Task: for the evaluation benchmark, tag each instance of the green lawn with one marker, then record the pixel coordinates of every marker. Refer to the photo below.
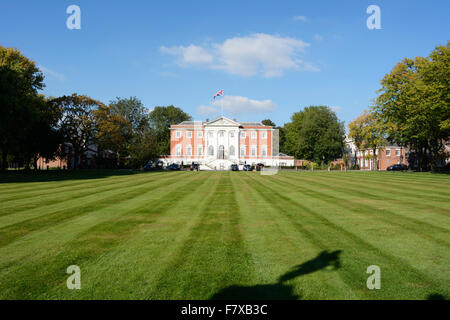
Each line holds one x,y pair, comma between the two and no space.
214,235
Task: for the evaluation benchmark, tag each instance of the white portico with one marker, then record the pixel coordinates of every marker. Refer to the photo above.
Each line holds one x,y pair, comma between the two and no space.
222,139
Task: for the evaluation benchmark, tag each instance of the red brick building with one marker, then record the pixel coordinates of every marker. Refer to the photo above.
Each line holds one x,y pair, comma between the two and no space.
385,157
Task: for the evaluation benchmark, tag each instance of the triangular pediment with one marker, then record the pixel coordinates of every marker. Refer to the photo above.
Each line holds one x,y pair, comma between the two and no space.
222,121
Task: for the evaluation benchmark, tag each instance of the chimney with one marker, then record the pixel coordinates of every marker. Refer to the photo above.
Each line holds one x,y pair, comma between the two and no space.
207,120
234,119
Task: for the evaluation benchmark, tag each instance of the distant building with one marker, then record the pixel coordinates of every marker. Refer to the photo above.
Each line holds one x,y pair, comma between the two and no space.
385,157
66,160
218,144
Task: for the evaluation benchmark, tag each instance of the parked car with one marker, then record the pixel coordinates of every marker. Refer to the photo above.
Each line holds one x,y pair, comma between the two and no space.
259,166
154,166
194,166
234,167
397,167
248,167
173,167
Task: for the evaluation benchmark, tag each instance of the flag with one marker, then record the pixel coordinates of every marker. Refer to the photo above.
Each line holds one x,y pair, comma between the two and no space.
218,94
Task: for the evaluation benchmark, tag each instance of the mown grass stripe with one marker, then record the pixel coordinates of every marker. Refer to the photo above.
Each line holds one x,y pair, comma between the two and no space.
72,201
91,244
277,248
397,180
436,194
325,232
12,232
418,252
41,198
59,181
129,269
54,189
388,216
214,255
230,235
383,192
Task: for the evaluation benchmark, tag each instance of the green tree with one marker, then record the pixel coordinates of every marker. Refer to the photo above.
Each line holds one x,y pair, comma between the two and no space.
113,132
367,133
132,110
40,136
356,133
77,125
144,149
315,134
161,118
414,105
268,122
20,79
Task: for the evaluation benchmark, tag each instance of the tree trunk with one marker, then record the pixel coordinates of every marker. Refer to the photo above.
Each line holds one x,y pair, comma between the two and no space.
4,158
27,162
35,160
374,159
75,160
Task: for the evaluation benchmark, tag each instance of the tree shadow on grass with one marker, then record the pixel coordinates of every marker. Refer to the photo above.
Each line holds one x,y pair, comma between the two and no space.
436,296
281,290
61,175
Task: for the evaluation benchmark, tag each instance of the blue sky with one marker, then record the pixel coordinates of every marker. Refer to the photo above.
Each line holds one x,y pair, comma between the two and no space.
272,58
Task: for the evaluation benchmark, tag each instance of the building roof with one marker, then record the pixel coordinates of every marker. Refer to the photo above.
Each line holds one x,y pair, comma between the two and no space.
191,122
252,124
222,121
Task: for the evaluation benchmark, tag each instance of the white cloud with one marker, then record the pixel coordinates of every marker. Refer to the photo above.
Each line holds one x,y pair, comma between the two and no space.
238,105
318,37
300,18
336,108
306,66
206,110
189,55
257,53
52,73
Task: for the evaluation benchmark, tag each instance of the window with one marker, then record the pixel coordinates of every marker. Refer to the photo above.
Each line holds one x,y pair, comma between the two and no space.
231,134
253,135
243,151
264,135
210,134
200,150
189,150
221,133
243,135
264,151
189,134
178,134
388,152
178,150
211,150
397,152
231,151
200,134
253,151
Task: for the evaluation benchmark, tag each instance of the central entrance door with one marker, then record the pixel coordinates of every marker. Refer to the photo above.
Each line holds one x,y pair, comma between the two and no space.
221,153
